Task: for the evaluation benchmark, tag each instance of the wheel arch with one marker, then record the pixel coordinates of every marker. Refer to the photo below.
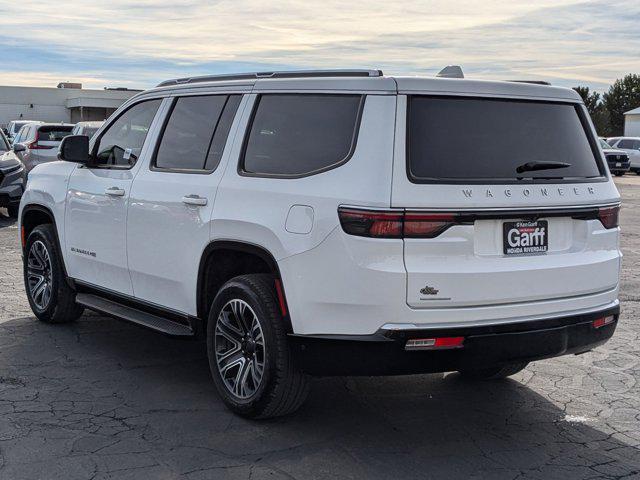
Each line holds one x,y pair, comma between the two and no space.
33,215
244,252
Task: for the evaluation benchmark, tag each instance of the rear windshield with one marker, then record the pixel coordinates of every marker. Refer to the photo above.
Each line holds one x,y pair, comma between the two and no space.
53,134
455,139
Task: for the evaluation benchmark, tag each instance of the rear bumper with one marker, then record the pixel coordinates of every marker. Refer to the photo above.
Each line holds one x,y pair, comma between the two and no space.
383,353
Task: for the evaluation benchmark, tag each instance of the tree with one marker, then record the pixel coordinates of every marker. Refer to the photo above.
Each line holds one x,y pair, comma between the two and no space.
599,114
623,95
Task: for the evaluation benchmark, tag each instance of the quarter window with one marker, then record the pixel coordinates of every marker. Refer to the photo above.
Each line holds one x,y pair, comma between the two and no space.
196,132
122,141
294,135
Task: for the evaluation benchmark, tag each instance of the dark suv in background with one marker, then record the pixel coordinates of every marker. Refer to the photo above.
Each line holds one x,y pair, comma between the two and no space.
12,178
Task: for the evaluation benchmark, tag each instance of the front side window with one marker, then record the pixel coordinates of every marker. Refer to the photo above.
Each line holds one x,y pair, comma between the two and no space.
453,139
294,135
121,143
189,138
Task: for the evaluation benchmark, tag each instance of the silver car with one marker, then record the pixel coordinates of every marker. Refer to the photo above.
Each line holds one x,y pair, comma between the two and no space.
12,178
86,128
14,126
38,143
631,146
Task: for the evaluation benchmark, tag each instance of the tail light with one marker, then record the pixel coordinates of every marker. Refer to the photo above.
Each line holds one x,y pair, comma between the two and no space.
609,216
390,224
36,146
371,223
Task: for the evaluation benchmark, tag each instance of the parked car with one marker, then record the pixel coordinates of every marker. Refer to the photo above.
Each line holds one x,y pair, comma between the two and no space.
38,143
631,146
617,160
334,223
14,127
12,178
86,128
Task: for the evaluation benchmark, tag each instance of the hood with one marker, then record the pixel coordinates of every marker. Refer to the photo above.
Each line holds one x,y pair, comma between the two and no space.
8,160
613,151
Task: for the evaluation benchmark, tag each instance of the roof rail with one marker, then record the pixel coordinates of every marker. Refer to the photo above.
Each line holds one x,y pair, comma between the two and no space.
280,74
535,82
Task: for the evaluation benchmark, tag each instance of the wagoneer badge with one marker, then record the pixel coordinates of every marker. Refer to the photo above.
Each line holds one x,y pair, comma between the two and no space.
429,290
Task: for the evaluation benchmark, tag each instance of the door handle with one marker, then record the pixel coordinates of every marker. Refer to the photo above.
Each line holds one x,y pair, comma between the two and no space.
114,192
194,200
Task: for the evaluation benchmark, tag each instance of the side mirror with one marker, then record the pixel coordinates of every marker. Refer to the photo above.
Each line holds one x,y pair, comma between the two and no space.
19,147
74,148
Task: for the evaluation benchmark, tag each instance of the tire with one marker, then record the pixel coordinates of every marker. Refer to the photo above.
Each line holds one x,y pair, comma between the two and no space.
619,174
42,259
493,373
237,352
12,210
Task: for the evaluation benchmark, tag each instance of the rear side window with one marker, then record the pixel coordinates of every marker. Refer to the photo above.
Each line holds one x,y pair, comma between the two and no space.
196,132
53,134
296,135
629,144
454,139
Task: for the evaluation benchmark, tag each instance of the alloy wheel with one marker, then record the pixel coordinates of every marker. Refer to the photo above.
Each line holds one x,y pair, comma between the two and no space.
39,275
239,348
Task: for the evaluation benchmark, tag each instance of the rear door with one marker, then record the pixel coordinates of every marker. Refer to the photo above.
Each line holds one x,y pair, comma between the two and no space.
173,197
493,222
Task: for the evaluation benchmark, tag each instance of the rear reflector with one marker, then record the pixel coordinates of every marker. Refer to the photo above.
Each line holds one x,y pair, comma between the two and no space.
441,343
609,216
601,322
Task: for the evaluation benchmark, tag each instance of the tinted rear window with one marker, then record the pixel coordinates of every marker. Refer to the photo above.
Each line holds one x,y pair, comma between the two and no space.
294,134
53,134
455,139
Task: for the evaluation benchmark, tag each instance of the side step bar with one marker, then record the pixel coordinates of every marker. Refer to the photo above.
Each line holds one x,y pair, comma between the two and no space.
133,315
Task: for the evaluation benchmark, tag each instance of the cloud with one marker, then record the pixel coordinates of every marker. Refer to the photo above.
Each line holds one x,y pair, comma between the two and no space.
138,43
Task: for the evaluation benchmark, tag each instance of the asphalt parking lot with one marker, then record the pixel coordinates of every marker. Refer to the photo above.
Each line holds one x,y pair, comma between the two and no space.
100,399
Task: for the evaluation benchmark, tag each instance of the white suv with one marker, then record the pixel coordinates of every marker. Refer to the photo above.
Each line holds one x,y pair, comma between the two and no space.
334,223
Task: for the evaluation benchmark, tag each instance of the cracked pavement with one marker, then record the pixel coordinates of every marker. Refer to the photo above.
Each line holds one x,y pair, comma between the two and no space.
101,399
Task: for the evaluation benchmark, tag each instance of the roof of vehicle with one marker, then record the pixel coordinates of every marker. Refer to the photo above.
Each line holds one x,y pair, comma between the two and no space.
90,124
635,111
373,81
43,124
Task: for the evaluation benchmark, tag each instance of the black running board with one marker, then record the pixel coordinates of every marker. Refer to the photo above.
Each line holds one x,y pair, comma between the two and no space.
133,315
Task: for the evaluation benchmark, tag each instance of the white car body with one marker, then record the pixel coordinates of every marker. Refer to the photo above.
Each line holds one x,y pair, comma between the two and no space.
631,146
130,232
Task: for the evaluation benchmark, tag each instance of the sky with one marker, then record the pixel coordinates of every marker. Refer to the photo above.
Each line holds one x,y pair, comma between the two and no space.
137,44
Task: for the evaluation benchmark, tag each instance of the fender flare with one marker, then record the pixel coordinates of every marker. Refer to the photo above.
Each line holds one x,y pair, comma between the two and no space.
240,246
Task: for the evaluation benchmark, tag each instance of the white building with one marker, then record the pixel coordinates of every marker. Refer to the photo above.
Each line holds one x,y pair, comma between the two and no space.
632,123
69,102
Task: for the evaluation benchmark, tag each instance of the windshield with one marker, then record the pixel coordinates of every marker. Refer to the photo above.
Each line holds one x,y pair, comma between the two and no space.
4,146
453,139
604,145
53,134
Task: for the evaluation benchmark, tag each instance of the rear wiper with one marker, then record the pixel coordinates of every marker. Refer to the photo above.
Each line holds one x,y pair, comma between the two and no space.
533,166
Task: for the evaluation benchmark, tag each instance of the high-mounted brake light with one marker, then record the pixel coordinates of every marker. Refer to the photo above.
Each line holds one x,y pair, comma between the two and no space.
438,343
609,216
390,224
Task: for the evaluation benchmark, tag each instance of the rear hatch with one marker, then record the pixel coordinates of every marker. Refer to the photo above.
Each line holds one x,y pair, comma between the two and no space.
49,138
506,201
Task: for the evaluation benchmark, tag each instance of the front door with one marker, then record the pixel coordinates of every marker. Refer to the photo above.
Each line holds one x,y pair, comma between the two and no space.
97,200
172,200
